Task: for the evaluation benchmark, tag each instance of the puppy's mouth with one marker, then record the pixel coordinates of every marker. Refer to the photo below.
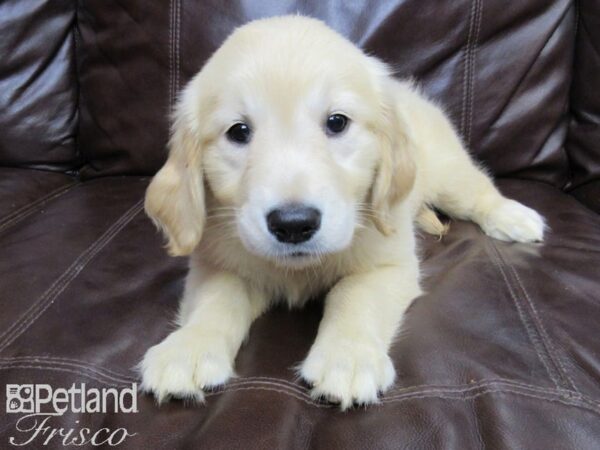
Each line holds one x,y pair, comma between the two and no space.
297,259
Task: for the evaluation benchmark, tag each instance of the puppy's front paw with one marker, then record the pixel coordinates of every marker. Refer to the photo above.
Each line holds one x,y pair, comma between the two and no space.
346,372
512,221
184,364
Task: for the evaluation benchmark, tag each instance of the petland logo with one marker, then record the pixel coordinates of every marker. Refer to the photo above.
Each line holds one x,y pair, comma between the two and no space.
41,402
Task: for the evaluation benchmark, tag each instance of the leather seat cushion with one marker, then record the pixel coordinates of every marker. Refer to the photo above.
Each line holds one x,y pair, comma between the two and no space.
23,192
502,342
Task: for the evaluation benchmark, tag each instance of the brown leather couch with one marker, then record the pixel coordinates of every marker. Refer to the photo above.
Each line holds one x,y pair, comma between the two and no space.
502,352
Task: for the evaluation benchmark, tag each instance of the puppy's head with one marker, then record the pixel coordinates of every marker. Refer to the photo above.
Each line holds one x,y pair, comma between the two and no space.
294,135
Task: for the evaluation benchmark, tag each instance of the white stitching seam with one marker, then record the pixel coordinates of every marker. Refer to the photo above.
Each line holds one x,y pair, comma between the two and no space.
466,67
77,362
400,392
474,48
177,51
100,379
429,394
60,284
31,208
456,393
123,377
171,90
556,398
543,333
533,336
553,356
100,371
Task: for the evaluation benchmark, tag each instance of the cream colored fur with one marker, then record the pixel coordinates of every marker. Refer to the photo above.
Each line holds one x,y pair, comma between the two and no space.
398,159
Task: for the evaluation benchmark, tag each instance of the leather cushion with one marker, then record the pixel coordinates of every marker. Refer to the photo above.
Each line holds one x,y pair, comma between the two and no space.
501,344
24,192
38,100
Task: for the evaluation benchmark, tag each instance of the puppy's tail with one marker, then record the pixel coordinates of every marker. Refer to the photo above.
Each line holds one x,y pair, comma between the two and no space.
428,221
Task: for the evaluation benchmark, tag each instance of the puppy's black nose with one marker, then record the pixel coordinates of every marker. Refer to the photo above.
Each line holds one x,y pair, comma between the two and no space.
294,224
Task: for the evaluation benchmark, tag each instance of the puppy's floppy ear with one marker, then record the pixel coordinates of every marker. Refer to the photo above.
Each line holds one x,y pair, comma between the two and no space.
396,172
175,198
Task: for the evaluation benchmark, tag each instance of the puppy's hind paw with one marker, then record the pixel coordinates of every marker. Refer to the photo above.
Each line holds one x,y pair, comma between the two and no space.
513,222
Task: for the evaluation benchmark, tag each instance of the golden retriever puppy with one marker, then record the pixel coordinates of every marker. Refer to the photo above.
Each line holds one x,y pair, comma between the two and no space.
299,166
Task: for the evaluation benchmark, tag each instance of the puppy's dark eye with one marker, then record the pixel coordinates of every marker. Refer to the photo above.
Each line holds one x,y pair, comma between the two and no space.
336,123
239,133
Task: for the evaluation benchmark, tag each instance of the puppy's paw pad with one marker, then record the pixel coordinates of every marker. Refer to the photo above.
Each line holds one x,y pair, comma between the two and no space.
512,221
184,364
348,374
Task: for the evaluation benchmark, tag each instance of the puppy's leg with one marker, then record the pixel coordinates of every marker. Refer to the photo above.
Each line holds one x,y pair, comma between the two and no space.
466,192
349,360
216,313
451,181
448,179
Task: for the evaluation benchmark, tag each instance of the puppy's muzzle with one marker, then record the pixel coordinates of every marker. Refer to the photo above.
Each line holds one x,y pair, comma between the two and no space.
294,223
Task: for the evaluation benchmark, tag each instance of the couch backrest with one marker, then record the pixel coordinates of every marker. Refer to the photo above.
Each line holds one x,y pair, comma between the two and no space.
583,143
38,85
94,80
501,69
